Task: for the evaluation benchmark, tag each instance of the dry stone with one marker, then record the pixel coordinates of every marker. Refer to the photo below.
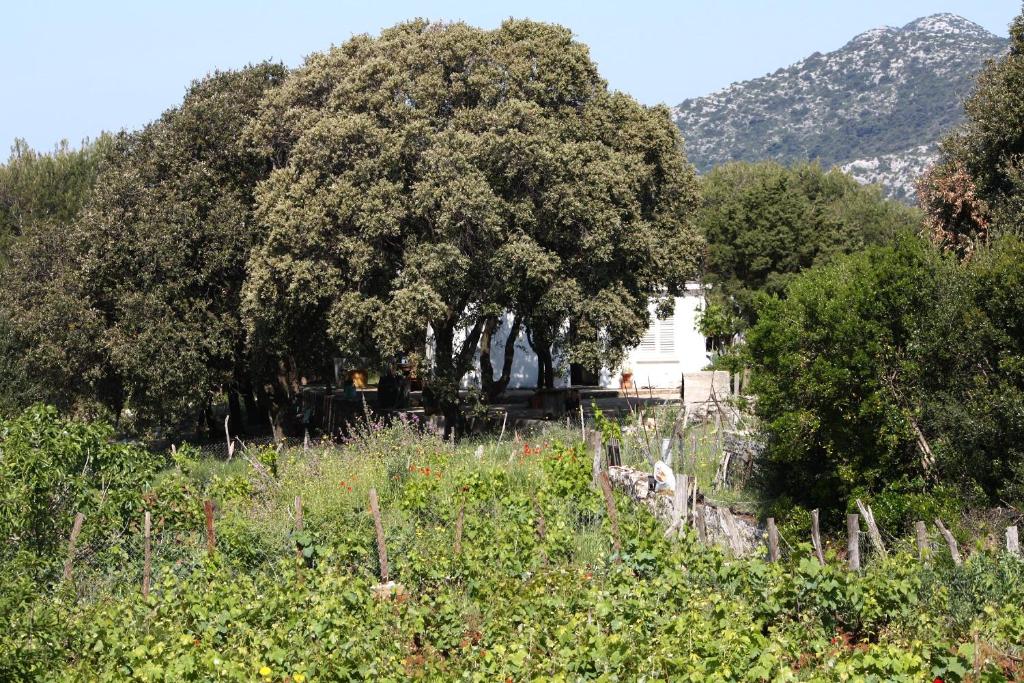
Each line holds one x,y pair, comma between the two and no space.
636,484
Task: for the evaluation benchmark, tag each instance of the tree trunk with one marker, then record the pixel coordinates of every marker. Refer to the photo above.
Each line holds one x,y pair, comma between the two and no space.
212,428
263,408
545,366
249,401
251,405
236,425
450,366
509,357
284,390
443,390
547,381
493,388
486,371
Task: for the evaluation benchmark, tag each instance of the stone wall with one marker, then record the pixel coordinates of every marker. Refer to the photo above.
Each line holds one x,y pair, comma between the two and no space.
743,450
749,534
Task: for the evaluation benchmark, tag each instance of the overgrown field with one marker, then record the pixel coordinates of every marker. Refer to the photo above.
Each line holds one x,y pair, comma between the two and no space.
534,592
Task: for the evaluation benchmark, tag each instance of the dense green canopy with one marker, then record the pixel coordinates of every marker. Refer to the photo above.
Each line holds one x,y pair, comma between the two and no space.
895,366
40,197
765,222
441,173
424,180
140,306
37,189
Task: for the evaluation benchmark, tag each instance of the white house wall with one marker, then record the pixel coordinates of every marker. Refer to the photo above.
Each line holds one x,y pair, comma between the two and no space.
682,350
678,348
524,363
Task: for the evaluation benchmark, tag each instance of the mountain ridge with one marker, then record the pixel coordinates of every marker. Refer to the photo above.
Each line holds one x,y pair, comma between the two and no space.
875,107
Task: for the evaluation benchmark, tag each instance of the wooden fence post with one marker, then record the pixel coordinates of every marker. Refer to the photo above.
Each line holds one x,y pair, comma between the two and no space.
458,528
542,529
873,533
147,555
211,538
702,527
76,528
299,525
922,540
954,550
729,524
382,551
816,537
853,541
679,499
594,443
613,515
1012,541
773,541
693,505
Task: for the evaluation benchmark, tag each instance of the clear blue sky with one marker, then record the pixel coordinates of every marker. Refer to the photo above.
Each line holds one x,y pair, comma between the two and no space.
77,68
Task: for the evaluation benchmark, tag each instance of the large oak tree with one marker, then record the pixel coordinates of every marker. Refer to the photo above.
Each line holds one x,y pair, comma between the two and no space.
438,174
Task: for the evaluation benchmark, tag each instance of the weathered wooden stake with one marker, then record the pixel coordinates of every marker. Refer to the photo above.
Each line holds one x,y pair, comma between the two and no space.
730,530
853,541
922,540
693,507
76,528
773,541
683,497
459,518
873,534
954,550
594,442
1012,541
227,437
147,556
613,515
298,526
382,551
542,527
211,539
702,528
816,537
679,499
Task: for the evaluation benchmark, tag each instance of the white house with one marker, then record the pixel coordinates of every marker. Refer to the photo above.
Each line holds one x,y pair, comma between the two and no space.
671,347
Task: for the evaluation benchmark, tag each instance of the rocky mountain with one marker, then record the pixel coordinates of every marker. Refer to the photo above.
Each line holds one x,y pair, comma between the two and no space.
874,107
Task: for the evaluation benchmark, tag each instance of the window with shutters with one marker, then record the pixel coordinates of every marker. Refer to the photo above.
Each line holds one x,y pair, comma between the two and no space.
660,338
666,335
648,343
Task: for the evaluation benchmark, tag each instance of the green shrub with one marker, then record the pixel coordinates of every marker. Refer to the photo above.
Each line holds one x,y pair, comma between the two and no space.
521,601
868,358
55,467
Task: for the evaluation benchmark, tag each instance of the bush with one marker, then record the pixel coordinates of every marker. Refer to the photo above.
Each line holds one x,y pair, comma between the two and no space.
869,358
54,467
824,362
520,601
